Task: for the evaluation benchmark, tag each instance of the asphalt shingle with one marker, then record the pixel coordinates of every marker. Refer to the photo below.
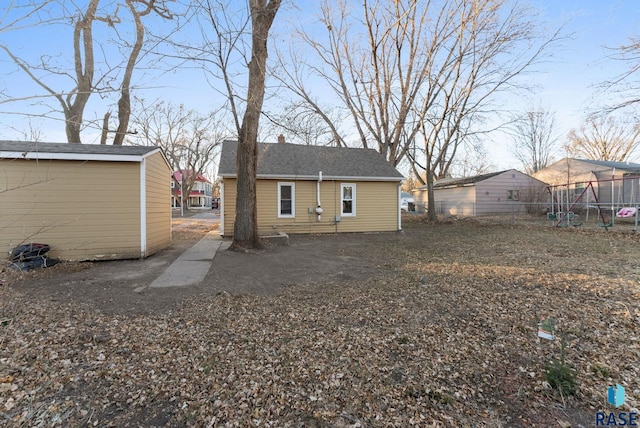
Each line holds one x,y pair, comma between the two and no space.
304,162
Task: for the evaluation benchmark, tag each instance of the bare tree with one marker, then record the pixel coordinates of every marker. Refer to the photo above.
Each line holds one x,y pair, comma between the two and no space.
473,160
626,85
304,126
376,63
534,139
420,79
33,133
605,138
245,233
85,82
227,55
189,140
124,103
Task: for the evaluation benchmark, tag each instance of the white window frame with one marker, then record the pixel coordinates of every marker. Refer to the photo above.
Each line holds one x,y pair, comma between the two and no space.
293,200
513,195
353,199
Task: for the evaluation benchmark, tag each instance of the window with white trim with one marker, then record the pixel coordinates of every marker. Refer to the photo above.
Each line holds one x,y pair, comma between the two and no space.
348,195
513,195
286,200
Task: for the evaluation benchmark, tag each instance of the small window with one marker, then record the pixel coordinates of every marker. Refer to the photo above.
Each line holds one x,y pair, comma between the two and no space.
513,195
348,192
286,200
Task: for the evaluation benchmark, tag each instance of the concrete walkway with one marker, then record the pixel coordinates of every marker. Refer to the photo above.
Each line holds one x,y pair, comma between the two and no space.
191,267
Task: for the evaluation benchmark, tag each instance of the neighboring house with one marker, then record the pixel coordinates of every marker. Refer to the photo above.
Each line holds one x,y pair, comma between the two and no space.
313,189
503,192
406,202
86,201
613,182
200,196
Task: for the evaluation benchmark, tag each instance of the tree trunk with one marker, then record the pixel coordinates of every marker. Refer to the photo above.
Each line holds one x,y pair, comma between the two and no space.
245,233
124,103
432,215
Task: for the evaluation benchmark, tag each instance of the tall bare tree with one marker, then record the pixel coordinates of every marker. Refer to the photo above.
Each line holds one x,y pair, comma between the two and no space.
605,138
124,103
85,77
420,79
245,233
227,56
534,139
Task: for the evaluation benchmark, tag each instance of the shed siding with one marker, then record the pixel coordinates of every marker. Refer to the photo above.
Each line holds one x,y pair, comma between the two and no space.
374,211
158,197
84,210
457,201
486,197
492,194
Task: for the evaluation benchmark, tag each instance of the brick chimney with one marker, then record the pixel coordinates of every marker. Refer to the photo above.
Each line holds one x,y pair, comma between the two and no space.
280,139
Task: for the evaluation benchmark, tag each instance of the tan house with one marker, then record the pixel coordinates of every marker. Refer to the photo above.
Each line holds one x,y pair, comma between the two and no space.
314,189
503,192
88,202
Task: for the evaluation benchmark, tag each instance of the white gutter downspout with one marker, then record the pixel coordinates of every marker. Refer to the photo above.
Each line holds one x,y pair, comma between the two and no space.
221,207
399,209
319,207
143,209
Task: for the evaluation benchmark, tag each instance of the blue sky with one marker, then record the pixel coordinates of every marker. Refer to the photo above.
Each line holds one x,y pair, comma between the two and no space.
566,82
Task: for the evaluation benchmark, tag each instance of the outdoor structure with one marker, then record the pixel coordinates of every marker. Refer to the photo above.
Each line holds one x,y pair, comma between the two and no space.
88,202
611,180
200,195
504,192
314,189
607,190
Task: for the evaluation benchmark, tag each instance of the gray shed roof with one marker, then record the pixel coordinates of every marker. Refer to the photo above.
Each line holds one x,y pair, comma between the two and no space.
294,161
65,151
611,164
465,180
447,182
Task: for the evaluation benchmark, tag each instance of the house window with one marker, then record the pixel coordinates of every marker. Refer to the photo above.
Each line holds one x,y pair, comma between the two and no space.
513,195
286,200
348,192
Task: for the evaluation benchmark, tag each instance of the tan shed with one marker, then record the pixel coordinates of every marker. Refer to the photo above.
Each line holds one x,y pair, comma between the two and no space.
315,189
88,202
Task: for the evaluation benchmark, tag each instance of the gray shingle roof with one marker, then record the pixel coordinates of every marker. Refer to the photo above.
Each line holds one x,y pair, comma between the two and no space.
296,161
73,149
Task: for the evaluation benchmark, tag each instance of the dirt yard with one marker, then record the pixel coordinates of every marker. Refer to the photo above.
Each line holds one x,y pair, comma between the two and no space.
433,326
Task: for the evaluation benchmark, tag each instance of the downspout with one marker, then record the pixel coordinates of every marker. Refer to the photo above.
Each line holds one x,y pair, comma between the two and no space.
399,209
319,206
143,208
221,207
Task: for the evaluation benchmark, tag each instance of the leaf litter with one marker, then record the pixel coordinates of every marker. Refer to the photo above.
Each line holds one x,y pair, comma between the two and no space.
447,336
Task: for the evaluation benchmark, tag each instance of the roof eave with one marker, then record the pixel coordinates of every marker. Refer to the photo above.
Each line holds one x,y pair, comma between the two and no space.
315,177
76,156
